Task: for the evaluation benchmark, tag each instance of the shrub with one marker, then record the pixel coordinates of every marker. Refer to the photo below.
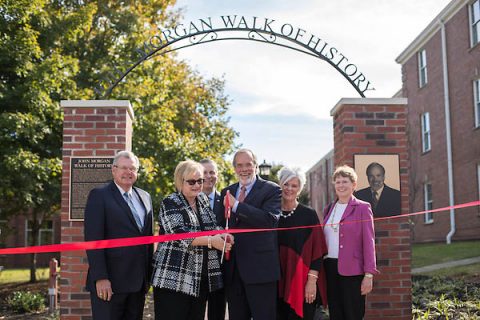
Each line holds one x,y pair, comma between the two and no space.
443,298
26,301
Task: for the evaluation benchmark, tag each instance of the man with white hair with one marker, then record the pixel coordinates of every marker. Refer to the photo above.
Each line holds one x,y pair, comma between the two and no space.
118,278
252,272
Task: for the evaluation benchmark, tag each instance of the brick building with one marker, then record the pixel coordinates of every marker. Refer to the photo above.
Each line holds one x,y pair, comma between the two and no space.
318,183
16,232
441,79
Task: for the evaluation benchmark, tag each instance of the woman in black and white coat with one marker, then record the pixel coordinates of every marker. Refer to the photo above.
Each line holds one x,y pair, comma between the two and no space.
186,270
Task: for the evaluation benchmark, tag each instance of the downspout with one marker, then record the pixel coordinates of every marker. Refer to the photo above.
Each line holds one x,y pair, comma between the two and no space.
446,98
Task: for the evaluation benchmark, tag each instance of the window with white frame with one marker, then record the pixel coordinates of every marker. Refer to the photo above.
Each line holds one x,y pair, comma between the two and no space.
475,22
425,119
422,68
476,101
427,195
45,234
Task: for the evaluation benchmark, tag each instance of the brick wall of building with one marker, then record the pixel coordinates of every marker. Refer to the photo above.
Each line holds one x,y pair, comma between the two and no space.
463,65
16,237
97,128
377,126
319,186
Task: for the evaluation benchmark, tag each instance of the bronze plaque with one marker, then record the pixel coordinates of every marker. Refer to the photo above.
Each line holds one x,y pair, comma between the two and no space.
86,174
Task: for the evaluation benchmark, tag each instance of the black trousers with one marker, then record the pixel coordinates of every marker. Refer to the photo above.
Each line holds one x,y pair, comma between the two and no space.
172,305
285,312
246,301
216,305
122,306
345,301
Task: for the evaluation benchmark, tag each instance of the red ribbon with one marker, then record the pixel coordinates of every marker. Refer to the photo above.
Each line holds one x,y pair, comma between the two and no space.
136,241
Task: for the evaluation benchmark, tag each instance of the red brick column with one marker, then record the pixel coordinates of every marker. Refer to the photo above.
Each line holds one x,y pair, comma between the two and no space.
92,128
378,126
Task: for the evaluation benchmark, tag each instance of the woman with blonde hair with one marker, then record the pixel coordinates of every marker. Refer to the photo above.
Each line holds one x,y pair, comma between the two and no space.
186,270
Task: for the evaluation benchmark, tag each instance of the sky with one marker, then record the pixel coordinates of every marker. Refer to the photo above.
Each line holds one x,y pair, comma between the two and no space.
281,99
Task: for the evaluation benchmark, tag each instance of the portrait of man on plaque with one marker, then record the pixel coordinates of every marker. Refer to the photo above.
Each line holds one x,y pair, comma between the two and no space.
379,182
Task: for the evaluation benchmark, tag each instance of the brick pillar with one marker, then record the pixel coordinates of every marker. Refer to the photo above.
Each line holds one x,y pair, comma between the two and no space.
91,128
378,126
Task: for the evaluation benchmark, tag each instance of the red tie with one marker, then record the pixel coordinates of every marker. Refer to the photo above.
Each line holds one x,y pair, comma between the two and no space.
243,193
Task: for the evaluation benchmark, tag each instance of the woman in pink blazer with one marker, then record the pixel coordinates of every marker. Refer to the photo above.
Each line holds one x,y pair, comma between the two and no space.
350,263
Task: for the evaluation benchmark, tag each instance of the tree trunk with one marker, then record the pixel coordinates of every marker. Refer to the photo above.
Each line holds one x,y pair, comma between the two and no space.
34,241
33,267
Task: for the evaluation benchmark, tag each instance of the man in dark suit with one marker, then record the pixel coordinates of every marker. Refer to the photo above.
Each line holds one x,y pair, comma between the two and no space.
216,299
385,201
253,268
118,278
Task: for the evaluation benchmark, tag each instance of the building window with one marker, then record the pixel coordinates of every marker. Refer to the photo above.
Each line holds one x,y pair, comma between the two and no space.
427,194
422,68
475,22
476,102
425,119
45,234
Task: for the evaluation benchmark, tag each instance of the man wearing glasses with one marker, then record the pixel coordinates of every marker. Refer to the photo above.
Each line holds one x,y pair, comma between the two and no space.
118,277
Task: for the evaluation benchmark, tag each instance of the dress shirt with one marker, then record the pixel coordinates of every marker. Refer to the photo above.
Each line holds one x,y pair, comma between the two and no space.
136,202
211,198
379,192
332,237
248,187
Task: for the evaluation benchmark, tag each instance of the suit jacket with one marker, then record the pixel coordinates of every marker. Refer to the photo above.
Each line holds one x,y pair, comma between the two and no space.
108,216
217,209
255,255
356,252
389,203
178,265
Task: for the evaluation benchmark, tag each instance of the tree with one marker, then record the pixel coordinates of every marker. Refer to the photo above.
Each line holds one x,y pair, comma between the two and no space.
58,49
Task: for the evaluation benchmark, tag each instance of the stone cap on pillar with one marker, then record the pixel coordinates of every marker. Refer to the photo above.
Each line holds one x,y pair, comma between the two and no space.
99,104
367,101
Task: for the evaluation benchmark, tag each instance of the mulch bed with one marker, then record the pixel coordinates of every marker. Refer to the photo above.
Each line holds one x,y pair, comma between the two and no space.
42,287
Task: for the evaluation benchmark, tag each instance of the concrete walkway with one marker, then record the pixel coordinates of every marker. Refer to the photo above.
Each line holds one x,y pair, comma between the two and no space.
449,264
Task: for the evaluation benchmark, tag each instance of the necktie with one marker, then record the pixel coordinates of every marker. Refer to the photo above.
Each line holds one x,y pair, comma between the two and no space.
374,199
243,194
211,199
136,216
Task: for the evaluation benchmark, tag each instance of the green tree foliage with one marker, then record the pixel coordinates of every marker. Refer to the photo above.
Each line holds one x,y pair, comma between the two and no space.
59,49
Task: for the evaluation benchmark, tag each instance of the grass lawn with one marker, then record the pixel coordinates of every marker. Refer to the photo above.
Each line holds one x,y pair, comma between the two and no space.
432,253
471,271
21,275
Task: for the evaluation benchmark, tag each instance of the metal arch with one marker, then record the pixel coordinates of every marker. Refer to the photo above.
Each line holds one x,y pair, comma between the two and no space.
207,36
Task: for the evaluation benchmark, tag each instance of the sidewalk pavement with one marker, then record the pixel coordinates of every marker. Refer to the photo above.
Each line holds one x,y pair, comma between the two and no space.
449,264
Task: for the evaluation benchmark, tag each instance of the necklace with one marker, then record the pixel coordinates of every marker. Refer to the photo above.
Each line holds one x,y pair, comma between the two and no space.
334,225
287,213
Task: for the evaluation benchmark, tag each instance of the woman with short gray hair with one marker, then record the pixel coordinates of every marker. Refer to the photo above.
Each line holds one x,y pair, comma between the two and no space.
301,252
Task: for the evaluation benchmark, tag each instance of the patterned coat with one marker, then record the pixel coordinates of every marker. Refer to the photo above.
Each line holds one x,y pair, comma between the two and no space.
177,264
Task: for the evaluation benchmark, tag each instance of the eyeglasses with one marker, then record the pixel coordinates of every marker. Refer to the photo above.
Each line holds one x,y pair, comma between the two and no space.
192,182
133,169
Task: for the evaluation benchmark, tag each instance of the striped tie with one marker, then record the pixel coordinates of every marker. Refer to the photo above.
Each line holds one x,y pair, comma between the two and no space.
136,216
